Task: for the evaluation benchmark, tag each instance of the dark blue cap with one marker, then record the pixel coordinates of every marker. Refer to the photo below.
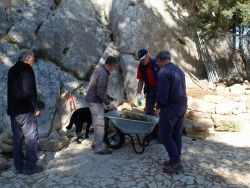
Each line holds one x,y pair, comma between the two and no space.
141,54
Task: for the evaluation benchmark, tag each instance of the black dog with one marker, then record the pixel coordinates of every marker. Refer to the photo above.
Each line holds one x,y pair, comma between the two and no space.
79,117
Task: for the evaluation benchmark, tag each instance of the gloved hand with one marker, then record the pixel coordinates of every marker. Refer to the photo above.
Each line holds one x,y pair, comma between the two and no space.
139,99
111,106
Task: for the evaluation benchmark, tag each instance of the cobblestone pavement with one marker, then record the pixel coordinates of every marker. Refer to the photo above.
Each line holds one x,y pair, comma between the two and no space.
223,160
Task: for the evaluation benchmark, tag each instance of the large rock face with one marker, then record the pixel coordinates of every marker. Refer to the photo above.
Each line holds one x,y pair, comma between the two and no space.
48,86
129,70
152,25
73,37
8,54
21,20
70,37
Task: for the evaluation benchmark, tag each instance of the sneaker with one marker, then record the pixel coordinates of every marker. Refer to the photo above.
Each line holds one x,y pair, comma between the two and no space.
174,167
34,170
104,152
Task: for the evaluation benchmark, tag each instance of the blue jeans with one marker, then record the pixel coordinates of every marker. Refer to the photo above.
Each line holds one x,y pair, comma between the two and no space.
24,127
170,125
150,101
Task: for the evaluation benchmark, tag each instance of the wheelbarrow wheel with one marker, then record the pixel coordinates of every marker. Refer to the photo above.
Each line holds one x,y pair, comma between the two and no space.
114,139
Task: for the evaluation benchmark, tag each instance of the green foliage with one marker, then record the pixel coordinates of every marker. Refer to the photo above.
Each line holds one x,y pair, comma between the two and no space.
81,91
222,15
57,2
65,50
182,41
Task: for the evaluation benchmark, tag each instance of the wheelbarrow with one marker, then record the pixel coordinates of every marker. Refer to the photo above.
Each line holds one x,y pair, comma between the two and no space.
119,127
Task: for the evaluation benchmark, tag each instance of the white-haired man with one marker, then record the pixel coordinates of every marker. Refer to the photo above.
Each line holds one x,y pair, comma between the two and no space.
23,111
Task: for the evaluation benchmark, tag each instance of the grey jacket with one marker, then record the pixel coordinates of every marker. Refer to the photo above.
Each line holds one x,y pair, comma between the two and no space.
98,85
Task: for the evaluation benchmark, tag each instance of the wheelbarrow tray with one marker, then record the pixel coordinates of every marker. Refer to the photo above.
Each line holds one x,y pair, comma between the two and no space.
130,126
124,126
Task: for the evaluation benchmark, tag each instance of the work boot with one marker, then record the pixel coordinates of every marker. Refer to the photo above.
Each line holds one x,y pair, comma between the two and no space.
36,169
173,167
18,171
104,151
167,163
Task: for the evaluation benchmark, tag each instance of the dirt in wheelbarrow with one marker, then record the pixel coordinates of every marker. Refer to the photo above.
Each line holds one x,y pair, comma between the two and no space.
134,116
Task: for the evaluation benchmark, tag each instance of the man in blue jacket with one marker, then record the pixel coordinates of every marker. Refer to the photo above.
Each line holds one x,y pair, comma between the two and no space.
23,111
147,75
172,102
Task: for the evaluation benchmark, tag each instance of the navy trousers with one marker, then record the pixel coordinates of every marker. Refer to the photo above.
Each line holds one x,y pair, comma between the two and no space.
150,101
24,128
170,125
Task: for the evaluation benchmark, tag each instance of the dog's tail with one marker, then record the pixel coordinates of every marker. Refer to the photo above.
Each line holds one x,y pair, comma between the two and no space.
69,125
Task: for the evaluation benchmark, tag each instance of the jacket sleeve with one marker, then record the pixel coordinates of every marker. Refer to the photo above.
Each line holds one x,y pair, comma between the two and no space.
102,84
162,90
29,88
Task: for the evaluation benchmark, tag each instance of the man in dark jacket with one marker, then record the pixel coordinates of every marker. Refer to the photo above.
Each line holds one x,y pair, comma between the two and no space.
172,102
147,75
23,110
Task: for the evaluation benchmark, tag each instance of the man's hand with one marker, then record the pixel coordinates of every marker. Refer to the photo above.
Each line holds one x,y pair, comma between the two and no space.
111,106
37,113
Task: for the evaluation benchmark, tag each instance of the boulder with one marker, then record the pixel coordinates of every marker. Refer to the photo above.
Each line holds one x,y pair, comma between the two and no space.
194,115
103,7
155,25
224,108
201,105
6,148
8,54
237,89
3,164
115,87
129,71
25,20
72,37
203,124
6,138
191,132
187,123
5,18
57,144
222,90
214,98
63,111
231,123
6,141
48,86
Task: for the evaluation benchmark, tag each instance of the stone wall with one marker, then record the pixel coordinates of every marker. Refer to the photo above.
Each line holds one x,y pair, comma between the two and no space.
226,109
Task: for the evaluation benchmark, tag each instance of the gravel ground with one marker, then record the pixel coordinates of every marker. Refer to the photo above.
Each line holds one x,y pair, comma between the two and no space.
222,160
